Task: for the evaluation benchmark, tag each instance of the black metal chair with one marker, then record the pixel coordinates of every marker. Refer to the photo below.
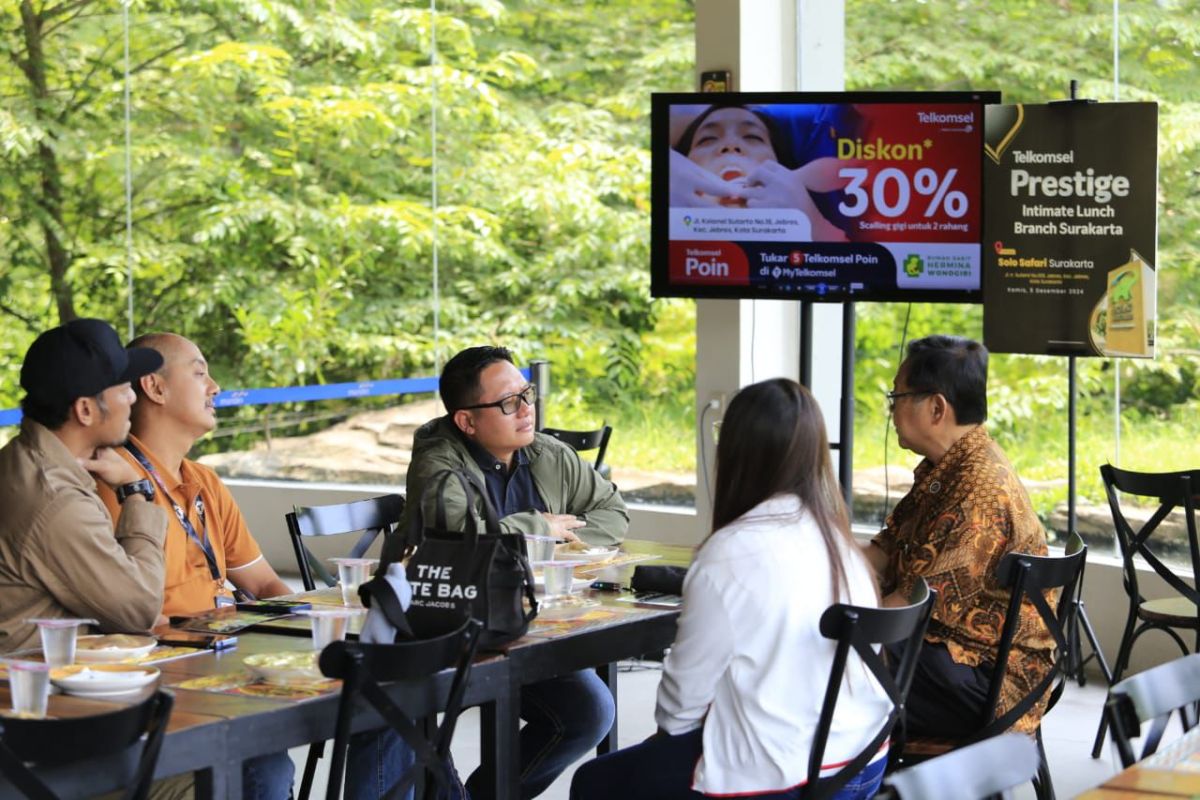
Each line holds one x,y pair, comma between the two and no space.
583,441
29,745
864,629
372,516
1082,626
981,771
1028,578
1149,545
1152,696
363,667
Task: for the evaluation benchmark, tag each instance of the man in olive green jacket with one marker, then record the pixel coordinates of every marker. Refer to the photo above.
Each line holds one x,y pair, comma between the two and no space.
539,485
579,502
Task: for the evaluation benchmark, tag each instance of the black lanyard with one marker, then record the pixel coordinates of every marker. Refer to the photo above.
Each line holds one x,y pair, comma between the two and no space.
201,539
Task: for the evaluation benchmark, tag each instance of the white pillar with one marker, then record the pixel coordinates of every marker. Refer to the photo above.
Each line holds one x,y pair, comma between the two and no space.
767,45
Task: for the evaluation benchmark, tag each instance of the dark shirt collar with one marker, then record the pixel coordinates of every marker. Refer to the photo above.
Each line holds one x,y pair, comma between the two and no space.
486,461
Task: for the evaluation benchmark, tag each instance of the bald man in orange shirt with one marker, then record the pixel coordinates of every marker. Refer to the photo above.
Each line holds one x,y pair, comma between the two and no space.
208,542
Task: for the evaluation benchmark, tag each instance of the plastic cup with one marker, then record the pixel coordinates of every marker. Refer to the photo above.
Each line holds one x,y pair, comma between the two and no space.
559,577
58,639
330,624
29,684
541,548
351,573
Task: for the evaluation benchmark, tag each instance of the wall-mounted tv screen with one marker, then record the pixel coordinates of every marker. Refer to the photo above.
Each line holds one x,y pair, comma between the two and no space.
847,196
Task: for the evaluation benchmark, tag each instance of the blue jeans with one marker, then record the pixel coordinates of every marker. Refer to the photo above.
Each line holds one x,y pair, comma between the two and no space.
565,718
268,777
376,760
661,769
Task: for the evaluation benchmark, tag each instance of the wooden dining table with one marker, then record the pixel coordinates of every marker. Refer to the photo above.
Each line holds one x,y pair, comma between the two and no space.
219,720
1174,771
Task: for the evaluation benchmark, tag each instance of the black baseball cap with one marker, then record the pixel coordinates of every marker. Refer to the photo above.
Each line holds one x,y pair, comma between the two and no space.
81,359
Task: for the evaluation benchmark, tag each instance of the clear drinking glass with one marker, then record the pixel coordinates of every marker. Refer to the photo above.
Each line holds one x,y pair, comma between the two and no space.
541,548
559,578
29,684
351,573
330,624
58,639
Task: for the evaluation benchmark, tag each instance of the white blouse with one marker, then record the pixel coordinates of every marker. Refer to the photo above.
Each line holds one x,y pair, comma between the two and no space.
749,662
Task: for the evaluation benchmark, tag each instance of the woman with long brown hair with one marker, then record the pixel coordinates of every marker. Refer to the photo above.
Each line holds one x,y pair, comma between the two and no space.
743,684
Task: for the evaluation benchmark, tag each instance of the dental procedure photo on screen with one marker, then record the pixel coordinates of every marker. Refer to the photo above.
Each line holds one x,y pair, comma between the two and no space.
830,197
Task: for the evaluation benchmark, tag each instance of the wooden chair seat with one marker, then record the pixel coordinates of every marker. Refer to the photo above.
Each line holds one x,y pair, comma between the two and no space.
1178,612
929,747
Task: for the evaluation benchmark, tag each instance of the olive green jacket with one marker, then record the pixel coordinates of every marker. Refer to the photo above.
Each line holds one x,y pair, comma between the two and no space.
566,484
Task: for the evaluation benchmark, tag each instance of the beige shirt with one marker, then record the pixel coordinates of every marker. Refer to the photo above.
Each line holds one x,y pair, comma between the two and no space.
59,554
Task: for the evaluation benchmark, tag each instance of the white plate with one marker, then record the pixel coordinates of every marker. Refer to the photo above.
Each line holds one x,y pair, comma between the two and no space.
298,667
577,584
125,647
97,679
590,555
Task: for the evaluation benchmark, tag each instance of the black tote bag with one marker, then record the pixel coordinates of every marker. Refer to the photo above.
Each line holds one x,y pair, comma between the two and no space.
481,574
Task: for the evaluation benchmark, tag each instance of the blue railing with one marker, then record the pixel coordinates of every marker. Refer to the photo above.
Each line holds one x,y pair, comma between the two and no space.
302,394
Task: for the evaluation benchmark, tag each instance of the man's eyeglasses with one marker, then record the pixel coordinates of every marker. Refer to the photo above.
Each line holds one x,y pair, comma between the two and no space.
509,403
892,397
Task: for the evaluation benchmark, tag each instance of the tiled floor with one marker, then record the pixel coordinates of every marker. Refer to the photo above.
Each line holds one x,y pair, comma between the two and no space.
1068,731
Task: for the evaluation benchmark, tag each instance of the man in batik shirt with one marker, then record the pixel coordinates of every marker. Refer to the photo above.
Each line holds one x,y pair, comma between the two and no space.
966,510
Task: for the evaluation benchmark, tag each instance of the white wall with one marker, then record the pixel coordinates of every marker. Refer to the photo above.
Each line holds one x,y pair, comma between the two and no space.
767,45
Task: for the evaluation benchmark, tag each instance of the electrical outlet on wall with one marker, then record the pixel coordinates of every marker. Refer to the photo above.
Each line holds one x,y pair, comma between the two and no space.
716,401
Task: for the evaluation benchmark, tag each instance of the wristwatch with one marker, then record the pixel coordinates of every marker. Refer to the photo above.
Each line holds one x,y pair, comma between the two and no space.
143,487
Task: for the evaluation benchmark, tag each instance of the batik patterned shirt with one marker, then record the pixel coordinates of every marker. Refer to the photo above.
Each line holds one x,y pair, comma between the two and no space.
963,514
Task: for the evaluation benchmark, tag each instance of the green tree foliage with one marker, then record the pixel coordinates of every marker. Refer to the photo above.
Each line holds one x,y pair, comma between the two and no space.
282,173
1031,50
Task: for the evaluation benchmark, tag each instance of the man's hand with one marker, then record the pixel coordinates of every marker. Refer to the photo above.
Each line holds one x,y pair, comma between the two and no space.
561,525
109,467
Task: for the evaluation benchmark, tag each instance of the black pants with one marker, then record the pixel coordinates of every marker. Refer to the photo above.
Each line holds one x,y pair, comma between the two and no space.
946,700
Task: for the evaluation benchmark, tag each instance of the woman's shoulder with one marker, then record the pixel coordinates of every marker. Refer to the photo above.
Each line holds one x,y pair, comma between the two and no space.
777,522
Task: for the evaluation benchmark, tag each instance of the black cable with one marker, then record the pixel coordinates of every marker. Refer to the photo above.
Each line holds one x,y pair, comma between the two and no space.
887,423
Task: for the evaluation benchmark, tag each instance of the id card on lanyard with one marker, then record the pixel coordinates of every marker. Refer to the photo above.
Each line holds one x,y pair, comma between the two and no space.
199,538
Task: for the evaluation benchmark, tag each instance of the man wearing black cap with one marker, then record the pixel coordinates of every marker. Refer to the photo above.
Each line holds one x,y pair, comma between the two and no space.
59,554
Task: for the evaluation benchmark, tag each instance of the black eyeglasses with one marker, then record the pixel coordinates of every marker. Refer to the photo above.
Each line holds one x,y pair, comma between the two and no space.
892,397
509,403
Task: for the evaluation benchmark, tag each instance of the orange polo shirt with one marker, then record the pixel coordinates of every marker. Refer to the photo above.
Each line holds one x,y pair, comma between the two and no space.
190,587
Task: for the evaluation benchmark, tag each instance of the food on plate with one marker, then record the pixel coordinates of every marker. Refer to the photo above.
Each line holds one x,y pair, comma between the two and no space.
583,548
298,667
112,641
299,659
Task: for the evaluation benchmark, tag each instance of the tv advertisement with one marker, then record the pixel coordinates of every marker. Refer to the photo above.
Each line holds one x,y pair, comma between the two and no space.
1071,229
871,197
